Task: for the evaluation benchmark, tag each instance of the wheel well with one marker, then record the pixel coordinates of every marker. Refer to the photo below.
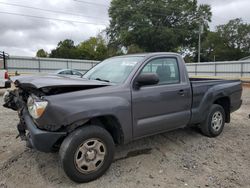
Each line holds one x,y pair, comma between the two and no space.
225,103
111,124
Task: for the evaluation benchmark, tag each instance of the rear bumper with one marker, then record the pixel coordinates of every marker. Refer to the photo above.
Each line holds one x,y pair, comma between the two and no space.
235,106
38,139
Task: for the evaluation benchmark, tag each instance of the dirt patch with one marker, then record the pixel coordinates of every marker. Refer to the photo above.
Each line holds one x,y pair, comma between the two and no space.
182,158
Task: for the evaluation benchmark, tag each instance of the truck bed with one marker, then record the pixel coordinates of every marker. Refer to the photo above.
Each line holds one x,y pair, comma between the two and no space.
204,89
206,83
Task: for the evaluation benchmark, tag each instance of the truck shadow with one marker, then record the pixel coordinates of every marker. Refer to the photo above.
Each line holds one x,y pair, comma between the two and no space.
52,173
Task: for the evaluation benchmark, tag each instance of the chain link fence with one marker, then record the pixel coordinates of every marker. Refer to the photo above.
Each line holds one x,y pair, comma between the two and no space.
230,69
24,65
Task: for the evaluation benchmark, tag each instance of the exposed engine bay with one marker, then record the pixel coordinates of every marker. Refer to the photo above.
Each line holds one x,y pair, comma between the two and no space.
40,86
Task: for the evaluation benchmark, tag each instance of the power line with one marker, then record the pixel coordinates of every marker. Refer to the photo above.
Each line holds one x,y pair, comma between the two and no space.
40,17
91,3
80,15
67,13
105,5
47,10
46,18
74,21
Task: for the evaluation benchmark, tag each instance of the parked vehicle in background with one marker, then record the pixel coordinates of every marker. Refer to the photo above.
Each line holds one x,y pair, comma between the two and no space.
4,77
69,73
119,100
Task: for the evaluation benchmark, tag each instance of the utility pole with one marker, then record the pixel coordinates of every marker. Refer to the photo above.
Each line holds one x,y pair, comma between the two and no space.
199,45
4,60
4,56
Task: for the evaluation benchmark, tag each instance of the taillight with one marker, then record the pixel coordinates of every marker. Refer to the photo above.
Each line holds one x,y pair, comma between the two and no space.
6,76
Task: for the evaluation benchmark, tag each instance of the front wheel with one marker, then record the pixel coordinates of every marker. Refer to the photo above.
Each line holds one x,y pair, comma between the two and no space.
87,153
214,123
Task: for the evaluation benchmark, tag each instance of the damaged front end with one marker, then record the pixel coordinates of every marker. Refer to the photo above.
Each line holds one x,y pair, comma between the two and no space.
41,124
14,102
36,138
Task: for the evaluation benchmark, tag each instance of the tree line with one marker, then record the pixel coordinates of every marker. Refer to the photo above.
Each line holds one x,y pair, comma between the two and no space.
159,26
94,48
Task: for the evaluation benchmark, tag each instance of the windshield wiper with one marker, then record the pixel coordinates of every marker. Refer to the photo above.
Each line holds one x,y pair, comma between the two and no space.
99,79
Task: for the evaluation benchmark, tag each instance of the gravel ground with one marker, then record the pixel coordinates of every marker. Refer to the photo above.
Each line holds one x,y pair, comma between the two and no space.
182,158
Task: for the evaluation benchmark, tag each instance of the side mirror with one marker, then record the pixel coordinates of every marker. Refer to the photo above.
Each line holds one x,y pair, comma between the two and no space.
146,79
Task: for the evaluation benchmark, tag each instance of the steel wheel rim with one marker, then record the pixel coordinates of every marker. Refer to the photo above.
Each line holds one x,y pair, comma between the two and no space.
89,156
217,121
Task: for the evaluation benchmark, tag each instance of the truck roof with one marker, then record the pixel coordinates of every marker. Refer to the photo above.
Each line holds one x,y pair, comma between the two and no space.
147,55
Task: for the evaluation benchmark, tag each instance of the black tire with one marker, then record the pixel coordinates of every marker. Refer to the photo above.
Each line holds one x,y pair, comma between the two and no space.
74,141
207,127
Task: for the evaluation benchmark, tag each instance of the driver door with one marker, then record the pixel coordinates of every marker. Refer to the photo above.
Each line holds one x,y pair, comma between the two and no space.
161,107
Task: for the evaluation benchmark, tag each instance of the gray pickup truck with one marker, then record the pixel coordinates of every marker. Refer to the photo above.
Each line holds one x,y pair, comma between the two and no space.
119,100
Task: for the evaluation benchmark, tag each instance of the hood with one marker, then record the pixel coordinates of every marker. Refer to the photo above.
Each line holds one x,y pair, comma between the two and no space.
52,82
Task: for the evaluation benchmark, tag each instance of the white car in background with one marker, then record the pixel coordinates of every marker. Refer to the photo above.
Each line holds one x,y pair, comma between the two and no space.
4,79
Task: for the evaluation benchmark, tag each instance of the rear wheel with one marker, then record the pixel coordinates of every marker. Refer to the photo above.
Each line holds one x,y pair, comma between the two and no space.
214,123
87,153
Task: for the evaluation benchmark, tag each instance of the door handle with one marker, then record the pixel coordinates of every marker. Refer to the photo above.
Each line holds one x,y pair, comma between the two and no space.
181,92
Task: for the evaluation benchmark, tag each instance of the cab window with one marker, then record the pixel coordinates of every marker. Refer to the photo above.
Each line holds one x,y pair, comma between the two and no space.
166,68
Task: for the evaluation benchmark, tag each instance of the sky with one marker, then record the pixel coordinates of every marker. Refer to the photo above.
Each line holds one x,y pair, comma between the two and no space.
77,20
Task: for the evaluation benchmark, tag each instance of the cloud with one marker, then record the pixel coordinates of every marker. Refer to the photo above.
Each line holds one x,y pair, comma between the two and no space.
234,9
24,35
223,11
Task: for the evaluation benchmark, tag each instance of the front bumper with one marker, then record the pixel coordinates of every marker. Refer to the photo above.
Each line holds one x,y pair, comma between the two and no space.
38,139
